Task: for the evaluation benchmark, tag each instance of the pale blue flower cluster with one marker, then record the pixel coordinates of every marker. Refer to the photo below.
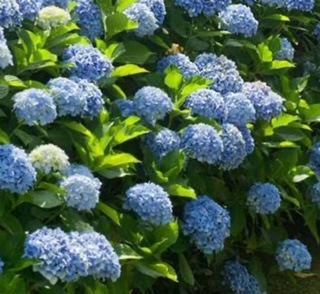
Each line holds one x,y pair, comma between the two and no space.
29,8
87,62
16,171
1,266
264,198
78,169
234,147
238,19
316,31
89,18
34,107
301,5
207,224
10,15
76,97
239,280
206,103
267,103
70,256
145,18
248,139
59,3
150,202
163,142
286,51
82,192
157,7
293,255
207,7
238,110
314,161
5,54
125,107
93,98
182,62
67,96
221,71
315,193
202,142
49,158
152,104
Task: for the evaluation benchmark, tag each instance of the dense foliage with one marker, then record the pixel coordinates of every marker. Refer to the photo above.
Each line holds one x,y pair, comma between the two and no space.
153,147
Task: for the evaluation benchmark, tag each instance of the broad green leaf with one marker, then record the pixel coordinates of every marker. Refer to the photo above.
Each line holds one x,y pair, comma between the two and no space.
165,236
43,199
4,138
173,78
125,252
264,53
122,5
312,114
117,23
109,212
128,70
278,17
116,160
281,64
185,270
135,52
181,191
158,269
301,173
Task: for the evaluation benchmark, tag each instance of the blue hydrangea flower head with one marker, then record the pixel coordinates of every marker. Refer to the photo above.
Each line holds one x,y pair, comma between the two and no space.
152,104
89,18
93,98
221,71
70,256
211,7
315,193
59,3
67,96
6,58
35,107
264,198
315,158
239,280
1,266
301,5
49,158
142,14
286,51
82,192
202,142
267,103
29,8
207,224
193,7
238,110
248,139
163,142
182,62
206,103
293,255
157,7
87,62
10,14
238,19
102,261
316,31
16,171
150,202
234,147
126,107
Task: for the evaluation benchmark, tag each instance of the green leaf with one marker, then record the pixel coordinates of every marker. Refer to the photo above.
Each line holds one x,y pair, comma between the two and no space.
165,236
278,17
117,160
43,199
312,114
173,78
122,5
128,70
4,138
281,64
181,191
109,212
158,269
4,89
125,252
284,120
135,52
117,23
264,53
14,82
78,127
301,173
185,270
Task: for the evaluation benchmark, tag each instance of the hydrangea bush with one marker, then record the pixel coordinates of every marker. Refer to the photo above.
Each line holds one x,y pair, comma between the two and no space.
158,147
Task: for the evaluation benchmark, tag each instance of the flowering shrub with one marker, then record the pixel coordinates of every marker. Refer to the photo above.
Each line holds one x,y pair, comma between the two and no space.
158,146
